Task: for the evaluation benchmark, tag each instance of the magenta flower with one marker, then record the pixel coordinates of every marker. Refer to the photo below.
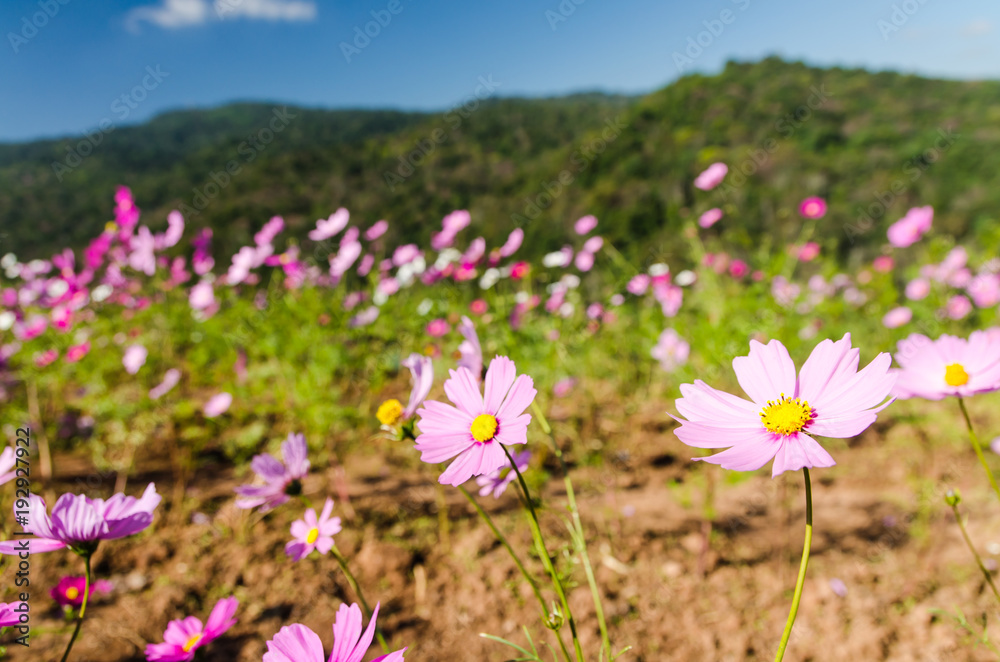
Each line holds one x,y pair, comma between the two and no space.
813,208
496,483
829,397
281,480
948,366
297,643
218,405
711,177
710,218
69,591
80,523
437,328
184,636
313,532
478,426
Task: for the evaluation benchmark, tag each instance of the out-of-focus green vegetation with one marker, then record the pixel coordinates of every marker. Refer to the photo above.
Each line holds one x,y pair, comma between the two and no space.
873,144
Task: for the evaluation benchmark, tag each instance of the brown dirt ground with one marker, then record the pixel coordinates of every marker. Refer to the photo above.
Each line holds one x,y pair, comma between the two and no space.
881,527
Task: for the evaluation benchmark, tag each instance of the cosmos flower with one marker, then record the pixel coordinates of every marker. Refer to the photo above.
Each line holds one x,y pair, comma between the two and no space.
80,523
812,208
948,366
297,643
513,242
69,591
671,350
10,613
474,430
711,177
470,349
331,226
710,218
184,636
313,532
585,224
376,230
829,397
911,227
170,379
218,405
897,317
8,462
281,481
437,328
496,483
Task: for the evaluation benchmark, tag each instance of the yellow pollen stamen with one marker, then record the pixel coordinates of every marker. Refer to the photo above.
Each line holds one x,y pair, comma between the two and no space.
111,226
389,412
786,416
72,593
312,536
192,642
955,375
484,428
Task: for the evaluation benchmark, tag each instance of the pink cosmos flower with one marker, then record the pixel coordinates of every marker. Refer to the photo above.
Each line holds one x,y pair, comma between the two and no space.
377,230
478,426
813,208
69,591
513,242
8,462
671,350
422,377
364,318
134,358
77,352
218,405
479,307
563,387
170,379
184,636
331,226
437,328
470,349
584,261
917,289
80,523
10,613
313,532
405,254
638,285
270,230
883,264
585,224
711,177
710,217
829,397
738,269
46,358
948,366
809,251
985,290
519,270
281,481
142,257
958,306
496,483
297,643
911,227
897,317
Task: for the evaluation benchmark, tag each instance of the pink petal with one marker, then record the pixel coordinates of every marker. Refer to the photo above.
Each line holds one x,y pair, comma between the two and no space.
749,455
463,390
499,379
703,403
520,397
766,373
294,643
798,451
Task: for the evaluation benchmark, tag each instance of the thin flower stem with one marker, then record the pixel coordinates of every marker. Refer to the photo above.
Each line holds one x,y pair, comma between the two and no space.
543,552
802,570
531,580
361,597
577,524
972,548
978,447
83,609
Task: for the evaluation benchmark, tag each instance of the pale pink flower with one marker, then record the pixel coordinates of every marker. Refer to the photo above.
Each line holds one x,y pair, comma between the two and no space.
313,533
948,366
711,177
185,636
297,643
911,227
513,243
585,224
470,350
897,317
331,226
671,350
281,481
958,306
170,379
710,217
376,230
134,358
917,289
218,405
421,377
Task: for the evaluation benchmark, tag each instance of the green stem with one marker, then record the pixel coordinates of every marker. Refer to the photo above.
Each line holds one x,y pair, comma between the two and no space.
83,609
972,548
543,552
577,524
802,570
361,597
978,447
517,561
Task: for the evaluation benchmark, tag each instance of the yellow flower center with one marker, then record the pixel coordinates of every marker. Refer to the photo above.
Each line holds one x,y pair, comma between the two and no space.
389,412
786,416
955,375
484,427
111,226
312,535
72,593
192,642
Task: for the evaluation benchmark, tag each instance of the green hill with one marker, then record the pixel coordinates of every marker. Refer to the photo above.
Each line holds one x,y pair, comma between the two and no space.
873,144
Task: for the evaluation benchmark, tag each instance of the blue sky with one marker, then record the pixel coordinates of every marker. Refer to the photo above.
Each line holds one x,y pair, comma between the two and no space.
65,64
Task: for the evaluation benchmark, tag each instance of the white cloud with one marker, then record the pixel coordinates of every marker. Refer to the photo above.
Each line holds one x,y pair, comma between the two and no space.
174,14
977,28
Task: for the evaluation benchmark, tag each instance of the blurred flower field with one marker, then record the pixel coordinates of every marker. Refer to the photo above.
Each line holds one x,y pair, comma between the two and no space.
422,441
